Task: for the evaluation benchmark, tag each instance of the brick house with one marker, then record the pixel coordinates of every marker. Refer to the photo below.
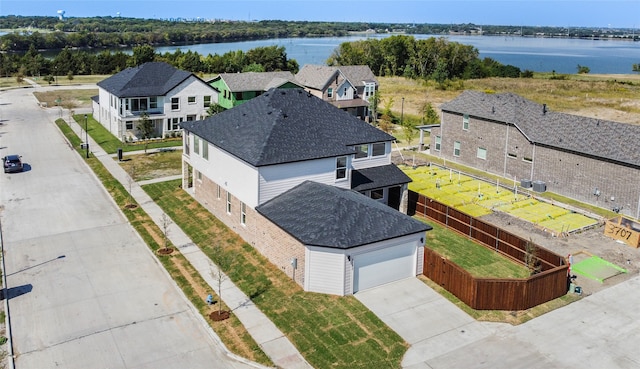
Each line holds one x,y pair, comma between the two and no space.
591,160
346,87
310,187
168,95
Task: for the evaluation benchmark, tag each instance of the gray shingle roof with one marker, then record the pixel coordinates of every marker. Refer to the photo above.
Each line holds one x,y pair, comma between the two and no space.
148,79
323,215
285,125
598,138
378,177
316,76
256,81
358,74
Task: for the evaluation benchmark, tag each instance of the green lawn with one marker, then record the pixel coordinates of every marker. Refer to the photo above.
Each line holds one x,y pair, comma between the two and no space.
329,331
471,256
111,143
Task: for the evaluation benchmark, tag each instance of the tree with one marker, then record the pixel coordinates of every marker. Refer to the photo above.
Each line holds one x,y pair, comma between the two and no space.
70,76
636,68
409,130
583,69
429,114
145,129
374,102
143,54
223,261
165,223
214,109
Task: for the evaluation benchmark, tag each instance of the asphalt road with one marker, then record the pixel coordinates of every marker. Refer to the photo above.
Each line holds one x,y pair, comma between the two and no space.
83,290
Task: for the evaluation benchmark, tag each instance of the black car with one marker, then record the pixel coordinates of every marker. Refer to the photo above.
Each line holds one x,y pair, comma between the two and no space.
12,163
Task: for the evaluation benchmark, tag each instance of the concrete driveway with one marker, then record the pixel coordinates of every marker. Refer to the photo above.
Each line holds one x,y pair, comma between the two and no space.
83,290
599,331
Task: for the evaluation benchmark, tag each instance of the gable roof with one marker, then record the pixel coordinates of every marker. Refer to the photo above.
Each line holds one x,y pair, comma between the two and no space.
316,76
283,126
148,79
599,138
339,218
358,74
255,81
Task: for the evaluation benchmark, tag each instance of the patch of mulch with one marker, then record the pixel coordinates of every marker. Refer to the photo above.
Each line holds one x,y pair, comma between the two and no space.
165,251
217,316
131,206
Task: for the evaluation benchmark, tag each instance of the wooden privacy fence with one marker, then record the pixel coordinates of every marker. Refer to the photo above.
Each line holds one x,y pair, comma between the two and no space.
489,293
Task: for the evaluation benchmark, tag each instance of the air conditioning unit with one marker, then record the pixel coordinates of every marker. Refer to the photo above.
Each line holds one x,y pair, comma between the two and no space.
539,186
525,183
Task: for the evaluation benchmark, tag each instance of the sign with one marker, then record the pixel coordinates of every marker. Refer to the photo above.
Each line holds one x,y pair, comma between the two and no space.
623,229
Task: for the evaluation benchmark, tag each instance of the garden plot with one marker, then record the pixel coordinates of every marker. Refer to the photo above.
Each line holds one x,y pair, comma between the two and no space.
476,197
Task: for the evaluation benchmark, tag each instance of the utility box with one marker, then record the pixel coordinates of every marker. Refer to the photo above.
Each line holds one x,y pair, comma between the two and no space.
525,183
119,154
539,186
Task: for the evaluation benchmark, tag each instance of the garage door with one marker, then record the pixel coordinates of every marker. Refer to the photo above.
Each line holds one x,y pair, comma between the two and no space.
383,266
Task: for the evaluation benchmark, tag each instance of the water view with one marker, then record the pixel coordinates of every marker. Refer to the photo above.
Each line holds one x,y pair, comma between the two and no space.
537,54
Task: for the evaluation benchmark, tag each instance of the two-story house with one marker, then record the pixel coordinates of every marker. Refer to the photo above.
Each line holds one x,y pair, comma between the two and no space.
168,96
588,159
310,187
236,88
346,87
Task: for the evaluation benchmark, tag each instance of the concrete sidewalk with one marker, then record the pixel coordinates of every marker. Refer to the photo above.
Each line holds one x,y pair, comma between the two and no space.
264,332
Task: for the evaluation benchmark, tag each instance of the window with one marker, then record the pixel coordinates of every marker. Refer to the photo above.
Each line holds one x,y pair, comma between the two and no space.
191,99
173,123
438,143
239,96
243,213
153,102
482,153
207,101
138,104
205,150
456,148
465,122
379,149
228,203
175,103
362,151
341,167
330,92
199,175
191,117
218,192
129,124
196,145
377,194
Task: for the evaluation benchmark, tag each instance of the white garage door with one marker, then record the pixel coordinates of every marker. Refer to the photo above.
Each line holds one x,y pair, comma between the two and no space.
383,266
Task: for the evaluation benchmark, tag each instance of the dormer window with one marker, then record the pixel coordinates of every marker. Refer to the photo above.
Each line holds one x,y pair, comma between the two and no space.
379,149
465,122
362,151
330,92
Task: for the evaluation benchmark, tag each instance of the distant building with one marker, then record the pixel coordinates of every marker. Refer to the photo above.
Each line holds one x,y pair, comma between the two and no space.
237,88
591,160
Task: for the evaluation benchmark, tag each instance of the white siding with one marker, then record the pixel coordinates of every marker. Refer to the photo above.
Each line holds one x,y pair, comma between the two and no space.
324,270
420,268
340,93
374,161
276,179
232,174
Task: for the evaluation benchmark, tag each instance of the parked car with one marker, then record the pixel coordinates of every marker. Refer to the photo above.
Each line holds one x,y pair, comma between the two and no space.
12,163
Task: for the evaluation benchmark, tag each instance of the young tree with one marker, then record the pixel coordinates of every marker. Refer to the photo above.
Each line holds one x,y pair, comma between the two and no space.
130,181
223,262
145,129
583,69
214,109
374,102
70,76
165,223
409,131
429,114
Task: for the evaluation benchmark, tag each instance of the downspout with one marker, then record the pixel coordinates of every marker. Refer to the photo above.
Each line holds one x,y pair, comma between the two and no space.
533,159
506,149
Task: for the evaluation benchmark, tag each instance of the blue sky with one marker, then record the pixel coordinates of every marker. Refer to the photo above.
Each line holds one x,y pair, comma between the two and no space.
565,13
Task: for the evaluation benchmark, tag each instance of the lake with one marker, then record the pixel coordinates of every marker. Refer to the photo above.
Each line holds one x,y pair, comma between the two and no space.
537,54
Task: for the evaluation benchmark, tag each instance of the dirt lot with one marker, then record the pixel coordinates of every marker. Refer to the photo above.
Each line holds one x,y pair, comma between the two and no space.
590,242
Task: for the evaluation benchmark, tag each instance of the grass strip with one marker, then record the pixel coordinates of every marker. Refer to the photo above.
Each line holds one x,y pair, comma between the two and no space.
232,333
329,331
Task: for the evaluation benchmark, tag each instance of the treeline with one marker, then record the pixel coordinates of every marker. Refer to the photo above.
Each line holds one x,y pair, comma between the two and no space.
46,33
73,62
432,58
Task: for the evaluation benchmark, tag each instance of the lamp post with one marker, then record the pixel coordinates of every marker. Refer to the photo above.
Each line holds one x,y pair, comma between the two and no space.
402,112
86,134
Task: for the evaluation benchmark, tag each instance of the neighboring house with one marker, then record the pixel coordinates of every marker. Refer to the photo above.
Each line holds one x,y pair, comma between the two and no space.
236,88
168,95
281,170
591,160
346,87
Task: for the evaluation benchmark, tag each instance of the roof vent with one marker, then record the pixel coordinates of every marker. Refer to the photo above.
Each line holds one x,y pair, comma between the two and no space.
493,110
544,108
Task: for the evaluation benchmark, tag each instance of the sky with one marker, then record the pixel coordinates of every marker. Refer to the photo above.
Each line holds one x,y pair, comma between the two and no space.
561,13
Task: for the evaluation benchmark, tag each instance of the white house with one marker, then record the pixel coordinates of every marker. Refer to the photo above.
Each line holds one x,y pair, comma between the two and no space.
309,186
168,95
